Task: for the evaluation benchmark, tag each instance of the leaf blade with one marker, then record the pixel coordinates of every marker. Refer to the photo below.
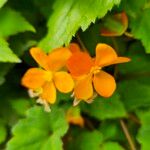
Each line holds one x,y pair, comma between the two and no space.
20,24
43,130
2,2
68,17
6,54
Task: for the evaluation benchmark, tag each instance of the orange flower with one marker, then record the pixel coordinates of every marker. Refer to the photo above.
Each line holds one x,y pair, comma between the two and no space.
88,73
42,82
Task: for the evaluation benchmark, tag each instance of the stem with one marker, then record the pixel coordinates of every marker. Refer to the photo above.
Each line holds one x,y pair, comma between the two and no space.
81,42
89,124
134,118
127,134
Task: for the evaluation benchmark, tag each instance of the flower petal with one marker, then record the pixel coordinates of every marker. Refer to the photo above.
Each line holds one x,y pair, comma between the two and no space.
83,89
79,63
120,60
74,48
40,57
63,82
34,78
105,54
76,120
104,84
58,57
49,92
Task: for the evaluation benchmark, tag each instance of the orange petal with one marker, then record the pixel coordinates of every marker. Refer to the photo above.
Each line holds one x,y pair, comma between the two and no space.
58,57
76,121
34,78
83,89
79,63
40,57
49,92
105,54
121,60
63,82
74,48
104,84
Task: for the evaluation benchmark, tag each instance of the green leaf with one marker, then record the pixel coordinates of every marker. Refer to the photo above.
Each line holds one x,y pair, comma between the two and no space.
103,108
2,80
5,68
141,27
111,130
111,146
45,6
40,130
144,132
6,54
135,93
20,105
134,78
14,101
69,16
12,22
139,63
3,132
88,140
2,2
139,14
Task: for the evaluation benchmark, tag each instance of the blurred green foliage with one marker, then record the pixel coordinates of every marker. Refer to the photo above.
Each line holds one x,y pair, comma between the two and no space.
53,23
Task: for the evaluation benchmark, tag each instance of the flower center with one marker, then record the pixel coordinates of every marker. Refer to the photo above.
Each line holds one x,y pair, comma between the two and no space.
95,69
48,76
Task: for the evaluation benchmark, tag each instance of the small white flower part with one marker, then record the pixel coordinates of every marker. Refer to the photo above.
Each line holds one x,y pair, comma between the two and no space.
44,103
32,93
72,95
46,106
40,101
89,101
76,102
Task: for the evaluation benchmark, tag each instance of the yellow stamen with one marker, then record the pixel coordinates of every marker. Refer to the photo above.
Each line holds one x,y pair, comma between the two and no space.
48,76
95,69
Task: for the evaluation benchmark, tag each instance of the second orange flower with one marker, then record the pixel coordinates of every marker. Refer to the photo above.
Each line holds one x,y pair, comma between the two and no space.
88,73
